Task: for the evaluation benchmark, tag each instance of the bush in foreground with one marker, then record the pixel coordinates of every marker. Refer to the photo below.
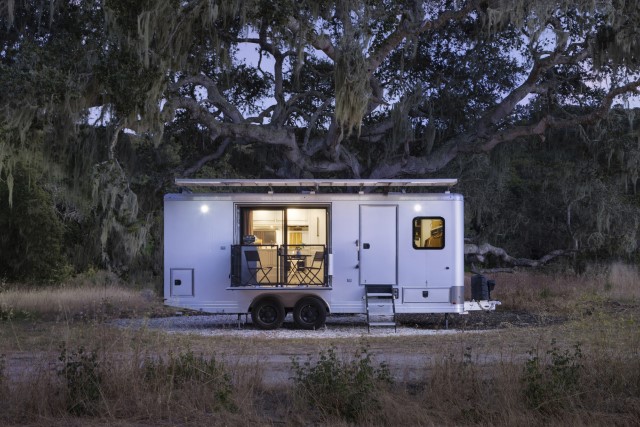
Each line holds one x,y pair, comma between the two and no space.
347,389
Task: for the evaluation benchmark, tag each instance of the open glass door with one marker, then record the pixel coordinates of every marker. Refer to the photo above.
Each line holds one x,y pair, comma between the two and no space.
286,245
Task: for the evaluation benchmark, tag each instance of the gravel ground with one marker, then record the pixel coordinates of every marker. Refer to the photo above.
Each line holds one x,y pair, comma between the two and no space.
339,326
220,324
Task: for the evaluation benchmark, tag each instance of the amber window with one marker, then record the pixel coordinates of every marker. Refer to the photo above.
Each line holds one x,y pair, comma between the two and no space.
428,233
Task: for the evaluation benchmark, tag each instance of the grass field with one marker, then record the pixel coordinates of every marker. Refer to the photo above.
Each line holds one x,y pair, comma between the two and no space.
62,362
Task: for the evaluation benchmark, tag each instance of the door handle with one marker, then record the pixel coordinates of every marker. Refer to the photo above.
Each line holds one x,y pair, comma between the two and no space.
366,246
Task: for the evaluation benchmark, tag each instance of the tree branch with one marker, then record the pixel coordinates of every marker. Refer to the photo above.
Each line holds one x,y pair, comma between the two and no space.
405,30
254,133
506,106
312,124
549,121
479,253
213,95
260,117
213,156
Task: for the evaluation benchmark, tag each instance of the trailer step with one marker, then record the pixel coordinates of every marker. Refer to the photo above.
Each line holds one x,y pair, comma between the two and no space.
380,305
382,324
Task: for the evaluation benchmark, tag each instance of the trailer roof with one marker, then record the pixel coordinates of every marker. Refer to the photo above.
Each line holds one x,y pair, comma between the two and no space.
314,183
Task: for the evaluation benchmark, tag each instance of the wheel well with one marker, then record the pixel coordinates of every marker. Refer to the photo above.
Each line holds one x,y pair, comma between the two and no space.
324,303
263,297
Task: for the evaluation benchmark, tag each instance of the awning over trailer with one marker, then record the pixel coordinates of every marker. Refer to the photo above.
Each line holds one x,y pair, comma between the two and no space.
315,183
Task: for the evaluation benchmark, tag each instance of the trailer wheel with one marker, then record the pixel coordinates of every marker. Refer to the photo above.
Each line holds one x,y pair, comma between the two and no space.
309,313
268,313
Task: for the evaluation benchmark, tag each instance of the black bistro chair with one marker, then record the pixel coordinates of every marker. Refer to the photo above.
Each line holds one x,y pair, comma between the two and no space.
312,272
257,271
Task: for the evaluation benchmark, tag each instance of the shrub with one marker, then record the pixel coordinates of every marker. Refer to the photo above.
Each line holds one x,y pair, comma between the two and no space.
188,371
550,384
346,389
82,374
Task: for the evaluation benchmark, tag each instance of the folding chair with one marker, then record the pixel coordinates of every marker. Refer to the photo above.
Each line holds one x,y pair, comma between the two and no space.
312,272
256,269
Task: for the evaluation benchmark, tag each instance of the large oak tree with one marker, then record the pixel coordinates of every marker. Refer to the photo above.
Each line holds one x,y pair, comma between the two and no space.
358,88
295,88
380,88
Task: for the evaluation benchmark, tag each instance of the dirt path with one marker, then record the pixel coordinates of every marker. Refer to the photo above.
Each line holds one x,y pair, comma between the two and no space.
417,342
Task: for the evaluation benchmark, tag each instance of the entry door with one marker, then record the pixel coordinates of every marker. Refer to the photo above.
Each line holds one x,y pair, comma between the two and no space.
378,244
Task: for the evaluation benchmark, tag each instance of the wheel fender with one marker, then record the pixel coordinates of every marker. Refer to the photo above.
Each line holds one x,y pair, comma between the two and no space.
265,296
327,307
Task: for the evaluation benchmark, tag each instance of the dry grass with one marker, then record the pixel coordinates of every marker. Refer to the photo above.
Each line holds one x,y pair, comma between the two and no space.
540,292
622,281
107,388
583,371
80,299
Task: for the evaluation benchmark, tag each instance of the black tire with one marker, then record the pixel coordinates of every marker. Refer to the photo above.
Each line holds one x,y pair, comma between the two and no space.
309,313
268,313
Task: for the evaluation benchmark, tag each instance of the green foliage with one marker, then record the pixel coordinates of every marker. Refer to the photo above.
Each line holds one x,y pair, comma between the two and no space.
346,389
352,85
575,190
186,370
551,383
9,313
130,85
546,293
32,233
83,376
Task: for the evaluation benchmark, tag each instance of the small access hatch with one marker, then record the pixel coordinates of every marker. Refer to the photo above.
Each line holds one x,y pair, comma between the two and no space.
182,282
430,295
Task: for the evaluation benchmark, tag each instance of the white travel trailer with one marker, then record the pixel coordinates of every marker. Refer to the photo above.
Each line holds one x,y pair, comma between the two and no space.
316,251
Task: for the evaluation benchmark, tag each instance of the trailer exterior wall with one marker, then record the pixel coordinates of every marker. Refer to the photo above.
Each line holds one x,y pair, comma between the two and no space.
427,280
